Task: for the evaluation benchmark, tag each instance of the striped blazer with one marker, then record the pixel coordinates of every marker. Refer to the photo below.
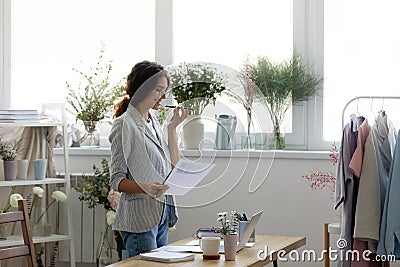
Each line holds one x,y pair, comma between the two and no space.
138,155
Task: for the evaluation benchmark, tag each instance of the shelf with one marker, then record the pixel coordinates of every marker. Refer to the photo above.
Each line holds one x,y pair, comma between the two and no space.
15,240
42,123
45,121
33,182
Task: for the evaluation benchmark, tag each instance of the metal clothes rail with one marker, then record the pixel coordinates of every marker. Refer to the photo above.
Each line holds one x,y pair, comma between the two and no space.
364,97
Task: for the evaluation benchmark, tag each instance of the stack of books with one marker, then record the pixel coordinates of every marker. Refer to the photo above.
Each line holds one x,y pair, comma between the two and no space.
18,116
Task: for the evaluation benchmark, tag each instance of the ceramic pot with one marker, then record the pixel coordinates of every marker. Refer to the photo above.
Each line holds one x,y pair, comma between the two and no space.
9,170
230,245
39,168
193,133
22,169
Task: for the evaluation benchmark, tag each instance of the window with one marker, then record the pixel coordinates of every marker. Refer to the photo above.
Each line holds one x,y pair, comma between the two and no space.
226,32
49,38
362,58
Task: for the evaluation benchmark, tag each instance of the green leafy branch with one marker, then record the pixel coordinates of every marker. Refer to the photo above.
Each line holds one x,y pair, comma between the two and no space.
94,189
94,97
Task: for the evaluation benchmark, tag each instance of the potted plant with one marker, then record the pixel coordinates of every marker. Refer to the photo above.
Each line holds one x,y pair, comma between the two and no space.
8,152
283,85
195,85
229,231
93,98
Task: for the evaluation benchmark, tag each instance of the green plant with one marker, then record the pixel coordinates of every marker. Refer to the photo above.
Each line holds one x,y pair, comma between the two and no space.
8,151
161,114
283,84
228,225
94,189
93,98
39,251
197,84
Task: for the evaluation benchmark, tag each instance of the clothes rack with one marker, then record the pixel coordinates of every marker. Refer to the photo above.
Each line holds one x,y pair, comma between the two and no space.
350,172
357,98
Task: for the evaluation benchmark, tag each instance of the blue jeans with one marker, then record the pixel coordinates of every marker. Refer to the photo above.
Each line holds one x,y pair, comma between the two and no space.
137,243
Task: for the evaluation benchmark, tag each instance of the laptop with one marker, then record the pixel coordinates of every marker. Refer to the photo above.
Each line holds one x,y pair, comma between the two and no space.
243,240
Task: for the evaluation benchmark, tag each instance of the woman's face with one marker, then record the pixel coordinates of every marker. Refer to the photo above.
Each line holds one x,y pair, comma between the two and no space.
158,94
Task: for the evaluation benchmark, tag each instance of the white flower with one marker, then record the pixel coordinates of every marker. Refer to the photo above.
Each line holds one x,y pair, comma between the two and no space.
14,200
110,215
38,191
59,196
220,219
222,213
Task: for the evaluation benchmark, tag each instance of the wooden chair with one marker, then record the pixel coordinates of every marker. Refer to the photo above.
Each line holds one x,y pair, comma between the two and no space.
19,250
329,228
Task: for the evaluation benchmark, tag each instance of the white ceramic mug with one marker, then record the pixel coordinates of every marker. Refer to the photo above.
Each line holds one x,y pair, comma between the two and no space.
210,245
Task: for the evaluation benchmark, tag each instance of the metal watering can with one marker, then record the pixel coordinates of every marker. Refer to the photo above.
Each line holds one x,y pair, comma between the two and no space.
226,126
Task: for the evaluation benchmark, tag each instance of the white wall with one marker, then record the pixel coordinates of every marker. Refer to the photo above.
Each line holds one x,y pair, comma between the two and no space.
1,53
290,206
5,46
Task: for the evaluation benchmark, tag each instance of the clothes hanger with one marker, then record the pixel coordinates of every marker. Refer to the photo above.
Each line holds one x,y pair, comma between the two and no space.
382,111
372,106
353,116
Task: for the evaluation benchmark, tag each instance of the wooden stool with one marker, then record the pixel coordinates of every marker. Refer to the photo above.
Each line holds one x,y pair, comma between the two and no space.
329,228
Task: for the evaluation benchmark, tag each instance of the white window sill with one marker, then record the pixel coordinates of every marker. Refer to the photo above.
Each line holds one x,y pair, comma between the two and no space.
279,154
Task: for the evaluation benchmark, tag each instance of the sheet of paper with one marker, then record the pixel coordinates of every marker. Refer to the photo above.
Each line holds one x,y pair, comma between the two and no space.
186,175
193,243
178,248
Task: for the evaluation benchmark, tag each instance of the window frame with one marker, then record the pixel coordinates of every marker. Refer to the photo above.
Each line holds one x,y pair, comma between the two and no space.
308,38
5,54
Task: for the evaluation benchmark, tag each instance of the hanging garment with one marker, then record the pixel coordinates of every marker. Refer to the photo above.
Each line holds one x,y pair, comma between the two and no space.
380,136
356,165
368,208
389,243
346,187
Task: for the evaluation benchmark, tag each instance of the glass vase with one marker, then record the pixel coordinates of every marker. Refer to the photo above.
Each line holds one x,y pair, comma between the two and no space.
246,142
42,229
3,231
279,141
90,136
104,250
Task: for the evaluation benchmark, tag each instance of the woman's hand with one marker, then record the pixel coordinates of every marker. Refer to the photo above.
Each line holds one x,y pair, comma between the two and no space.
155,190
180,114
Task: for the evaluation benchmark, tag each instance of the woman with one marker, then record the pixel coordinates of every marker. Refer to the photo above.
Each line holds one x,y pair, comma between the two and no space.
141,159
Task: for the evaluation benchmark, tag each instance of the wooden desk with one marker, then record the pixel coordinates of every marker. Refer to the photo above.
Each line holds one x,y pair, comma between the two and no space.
245,257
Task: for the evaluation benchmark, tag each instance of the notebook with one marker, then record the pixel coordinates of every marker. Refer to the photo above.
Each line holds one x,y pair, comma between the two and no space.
167,256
